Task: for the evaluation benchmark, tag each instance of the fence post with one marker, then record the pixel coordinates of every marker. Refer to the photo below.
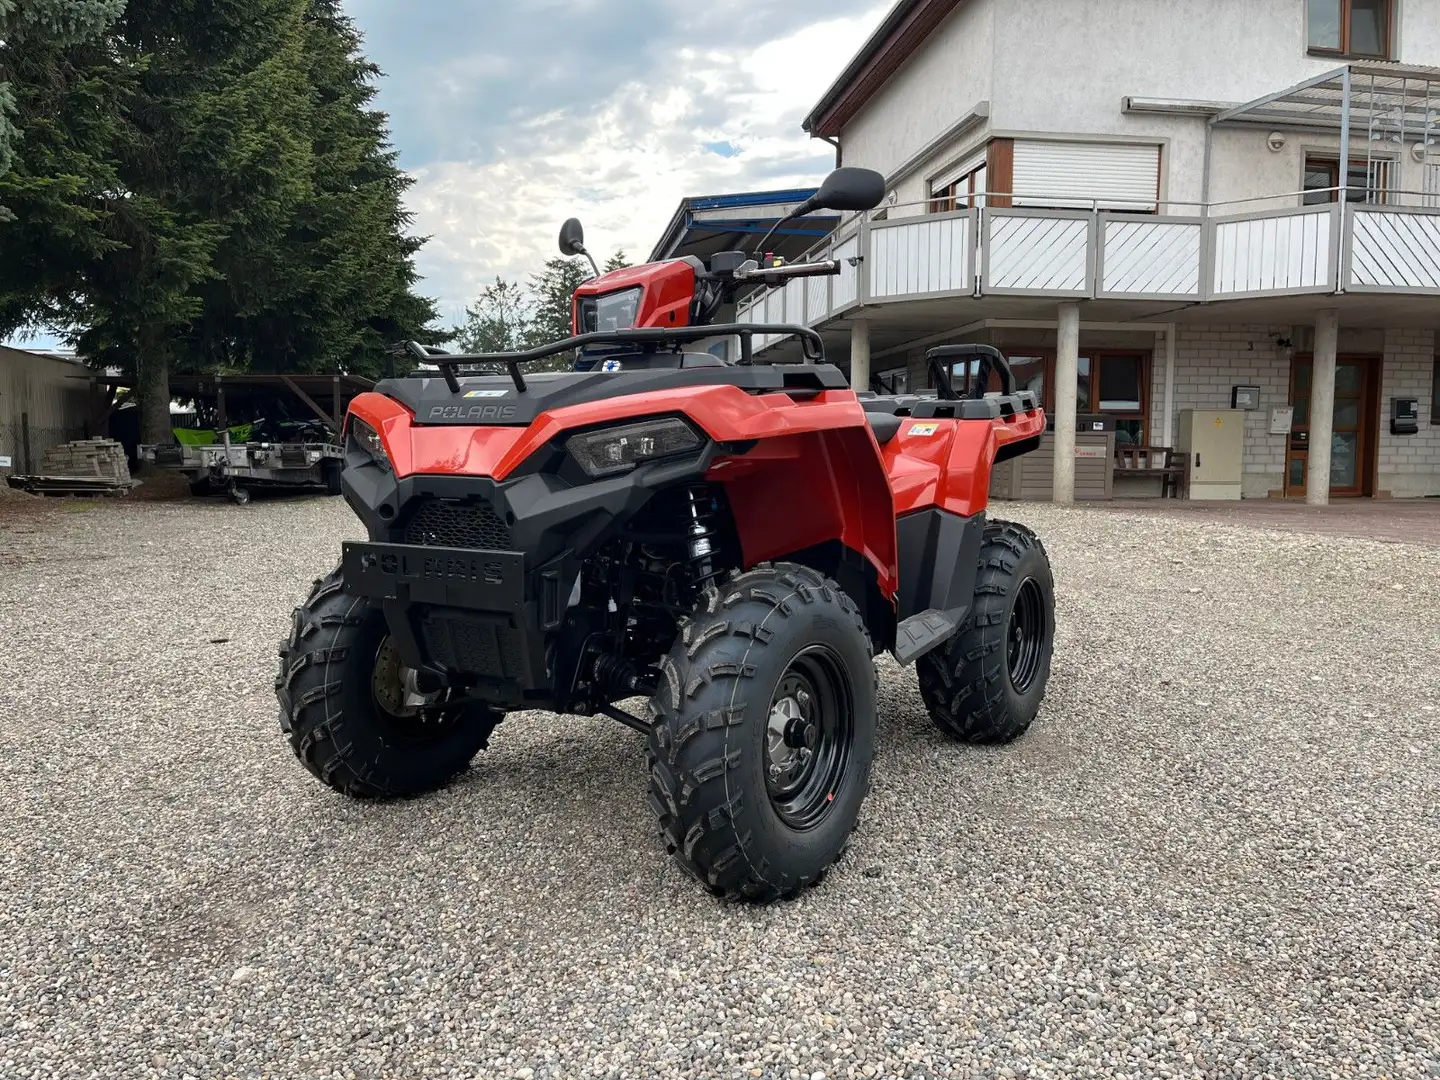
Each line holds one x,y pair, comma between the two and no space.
25,443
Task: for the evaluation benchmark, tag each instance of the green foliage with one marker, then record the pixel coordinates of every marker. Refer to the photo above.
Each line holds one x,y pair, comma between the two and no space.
205,187
42,23
508,316
499,321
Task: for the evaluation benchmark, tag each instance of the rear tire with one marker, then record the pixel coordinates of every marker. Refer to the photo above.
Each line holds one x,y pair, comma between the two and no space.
986,683
764,732
345,710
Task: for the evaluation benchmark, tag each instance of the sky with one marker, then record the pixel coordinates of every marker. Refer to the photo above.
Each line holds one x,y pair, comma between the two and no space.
513,115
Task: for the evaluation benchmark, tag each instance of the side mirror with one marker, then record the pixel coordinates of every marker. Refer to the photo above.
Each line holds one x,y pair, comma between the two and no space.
572,238
849,188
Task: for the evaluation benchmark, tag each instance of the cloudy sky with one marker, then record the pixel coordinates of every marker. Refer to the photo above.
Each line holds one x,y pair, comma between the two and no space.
515,114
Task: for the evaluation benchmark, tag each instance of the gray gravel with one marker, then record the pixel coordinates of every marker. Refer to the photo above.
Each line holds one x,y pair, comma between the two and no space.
1215,854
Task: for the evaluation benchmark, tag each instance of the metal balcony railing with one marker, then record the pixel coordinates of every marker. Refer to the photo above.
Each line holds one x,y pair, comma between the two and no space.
1220,251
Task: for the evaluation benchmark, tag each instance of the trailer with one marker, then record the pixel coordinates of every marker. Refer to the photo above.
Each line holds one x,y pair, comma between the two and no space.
251,432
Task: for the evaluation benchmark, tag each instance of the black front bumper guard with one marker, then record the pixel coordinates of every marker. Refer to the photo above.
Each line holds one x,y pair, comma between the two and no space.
452,611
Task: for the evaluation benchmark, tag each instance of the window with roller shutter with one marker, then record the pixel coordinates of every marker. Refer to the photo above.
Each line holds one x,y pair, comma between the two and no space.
1075,175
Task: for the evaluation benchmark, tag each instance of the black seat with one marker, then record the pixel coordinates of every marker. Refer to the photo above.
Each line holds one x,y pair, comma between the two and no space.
885,425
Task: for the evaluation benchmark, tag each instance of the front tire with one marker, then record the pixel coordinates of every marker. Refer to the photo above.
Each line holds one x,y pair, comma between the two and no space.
764,733
352,716
986,683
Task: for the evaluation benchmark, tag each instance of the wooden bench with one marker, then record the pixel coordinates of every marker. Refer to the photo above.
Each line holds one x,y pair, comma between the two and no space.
1170,465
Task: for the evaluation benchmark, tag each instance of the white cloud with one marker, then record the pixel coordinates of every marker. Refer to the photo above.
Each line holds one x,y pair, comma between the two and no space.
644,150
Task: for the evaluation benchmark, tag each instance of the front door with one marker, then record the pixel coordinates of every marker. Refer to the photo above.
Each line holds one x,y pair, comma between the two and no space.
1353,443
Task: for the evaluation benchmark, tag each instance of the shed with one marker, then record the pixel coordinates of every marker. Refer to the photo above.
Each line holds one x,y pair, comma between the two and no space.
42,405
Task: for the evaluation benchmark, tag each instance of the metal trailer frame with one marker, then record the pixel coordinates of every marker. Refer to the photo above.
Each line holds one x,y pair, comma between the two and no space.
233,468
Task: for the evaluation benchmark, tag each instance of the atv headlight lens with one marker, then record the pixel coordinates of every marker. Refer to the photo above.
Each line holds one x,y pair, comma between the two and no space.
368,440
615,450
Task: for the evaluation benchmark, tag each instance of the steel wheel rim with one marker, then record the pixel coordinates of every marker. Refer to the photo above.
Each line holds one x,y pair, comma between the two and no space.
1025,635
808,735
393,689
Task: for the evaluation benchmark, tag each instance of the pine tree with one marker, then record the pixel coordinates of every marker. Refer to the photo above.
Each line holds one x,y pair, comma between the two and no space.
344,290
499,321
33,27
615,262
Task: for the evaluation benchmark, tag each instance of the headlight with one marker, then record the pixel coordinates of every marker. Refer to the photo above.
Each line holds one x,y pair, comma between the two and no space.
368,440
619,449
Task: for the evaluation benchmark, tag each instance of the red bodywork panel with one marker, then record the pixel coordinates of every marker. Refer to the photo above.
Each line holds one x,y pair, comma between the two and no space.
817,475
669,288
947,463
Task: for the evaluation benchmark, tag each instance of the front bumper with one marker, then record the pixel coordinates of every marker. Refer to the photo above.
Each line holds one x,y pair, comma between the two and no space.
476,576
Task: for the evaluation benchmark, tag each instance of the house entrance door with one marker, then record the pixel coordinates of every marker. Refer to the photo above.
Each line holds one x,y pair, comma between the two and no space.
1355,440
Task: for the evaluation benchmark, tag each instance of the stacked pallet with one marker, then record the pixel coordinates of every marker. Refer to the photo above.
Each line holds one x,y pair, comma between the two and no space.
102,459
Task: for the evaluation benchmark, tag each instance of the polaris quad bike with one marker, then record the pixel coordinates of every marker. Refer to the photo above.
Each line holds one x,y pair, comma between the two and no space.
735,541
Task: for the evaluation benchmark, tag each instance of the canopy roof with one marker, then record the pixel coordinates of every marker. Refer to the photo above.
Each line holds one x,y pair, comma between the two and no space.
1399,99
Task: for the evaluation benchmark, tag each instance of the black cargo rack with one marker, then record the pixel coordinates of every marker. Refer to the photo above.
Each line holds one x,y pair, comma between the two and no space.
811,344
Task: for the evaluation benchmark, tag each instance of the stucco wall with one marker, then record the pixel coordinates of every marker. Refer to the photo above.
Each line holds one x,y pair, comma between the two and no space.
946,78
1052,68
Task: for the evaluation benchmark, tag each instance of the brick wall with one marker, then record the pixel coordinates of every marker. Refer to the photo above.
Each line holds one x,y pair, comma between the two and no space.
1409,464
1209,360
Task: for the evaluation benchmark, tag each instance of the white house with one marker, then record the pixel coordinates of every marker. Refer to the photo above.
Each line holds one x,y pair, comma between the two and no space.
1142,202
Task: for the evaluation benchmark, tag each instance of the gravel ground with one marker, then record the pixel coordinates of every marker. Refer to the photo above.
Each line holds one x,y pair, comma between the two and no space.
1214,855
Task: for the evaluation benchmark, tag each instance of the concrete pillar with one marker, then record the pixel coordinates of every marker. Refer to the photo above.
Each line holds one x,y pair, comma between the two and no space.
1322,407
859,355
1067,390
1171,333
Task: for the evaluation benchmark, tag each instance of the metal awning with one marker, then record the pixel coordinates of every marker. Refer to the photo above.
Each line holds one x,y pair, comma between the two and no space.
1388,99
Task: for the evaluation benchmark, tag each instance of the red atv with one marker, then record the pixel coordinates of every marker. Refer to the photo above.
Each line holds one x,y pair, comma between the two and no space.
736,541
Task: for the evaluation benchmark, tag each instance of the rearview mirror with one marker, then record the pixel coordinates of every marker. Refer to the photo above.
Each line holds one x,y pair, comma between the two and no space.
849,188
572,238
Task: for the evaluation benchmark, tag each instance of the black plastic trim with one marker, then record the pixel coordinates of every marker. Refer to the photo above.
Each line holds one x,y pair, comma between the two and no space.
939,557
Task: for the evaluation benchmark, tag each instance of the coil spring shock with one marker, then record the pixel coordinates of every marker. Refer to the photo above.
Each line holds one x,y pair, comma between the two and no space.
700,533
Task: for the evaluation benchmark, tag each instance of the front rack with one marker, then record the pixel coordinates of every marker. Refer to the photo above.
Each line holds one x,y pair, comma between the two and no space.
811,344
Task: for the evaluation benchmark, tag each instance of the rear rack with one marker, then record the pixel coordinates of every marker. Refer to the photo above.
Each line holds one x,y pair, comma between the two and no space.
810,342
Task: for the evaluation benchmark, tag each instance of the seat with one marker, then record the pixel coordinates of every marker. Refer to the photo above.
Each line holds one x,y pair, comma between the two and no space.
885,425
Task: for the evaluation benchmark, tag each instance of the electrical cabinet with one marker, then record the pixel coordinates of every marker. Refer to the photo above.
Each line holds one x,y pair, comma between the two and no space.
1214,440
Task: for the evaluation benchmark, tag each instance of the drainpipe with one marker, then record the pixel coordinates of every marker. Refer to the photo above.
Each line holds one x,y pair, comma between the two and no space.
833,142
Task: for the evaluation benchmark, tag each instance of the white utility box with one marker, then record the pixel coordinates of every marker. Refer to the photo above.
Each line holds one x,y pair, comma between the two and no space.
1215,442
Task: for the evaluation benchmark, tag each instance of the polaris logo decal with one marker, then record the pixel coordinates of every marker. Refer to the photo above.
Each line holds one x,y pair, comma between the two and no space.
485,393
923,429
472,412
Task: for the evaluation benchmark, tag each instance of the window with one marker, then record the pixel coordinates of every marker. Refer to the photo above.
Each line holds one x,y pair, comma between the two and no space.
1350,27
1368,184
963,192
1111,382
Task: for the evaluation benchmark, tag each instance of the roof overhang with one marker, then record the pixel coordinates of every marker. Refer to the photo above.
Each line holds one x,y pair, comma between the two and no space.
1400,98
705,224
894,41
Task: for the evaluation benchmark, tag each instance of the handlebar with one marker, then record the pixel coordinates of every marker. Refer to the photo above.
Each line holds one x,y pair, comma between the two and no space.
794,270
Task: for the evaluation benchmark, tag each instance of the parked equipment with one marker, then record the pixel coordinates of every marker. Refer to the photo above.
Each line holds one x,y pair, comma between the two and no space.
736,542
284,440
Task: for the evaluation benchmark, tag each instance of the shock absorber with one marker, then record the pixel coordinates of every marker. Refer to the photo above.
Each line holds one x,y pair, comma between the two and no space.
700,534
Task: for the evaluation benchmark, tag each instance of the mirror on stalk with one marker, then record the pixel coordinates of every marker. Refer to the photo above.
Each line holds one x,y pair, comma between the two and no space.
849,188
572,238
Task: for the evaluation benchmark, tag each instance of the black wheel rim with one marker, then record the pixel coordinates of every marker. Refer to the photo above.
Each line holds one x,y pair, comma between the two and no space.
808,737
411,713
1026,635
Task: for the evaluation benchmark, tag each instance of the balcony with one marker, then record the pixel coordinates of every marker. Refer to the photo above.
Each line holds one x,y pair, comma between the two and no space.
1218,253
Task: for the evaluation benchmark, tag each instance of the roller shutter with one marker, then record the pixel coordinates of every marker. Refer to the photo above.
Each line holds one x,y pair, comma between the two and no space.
1060,174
